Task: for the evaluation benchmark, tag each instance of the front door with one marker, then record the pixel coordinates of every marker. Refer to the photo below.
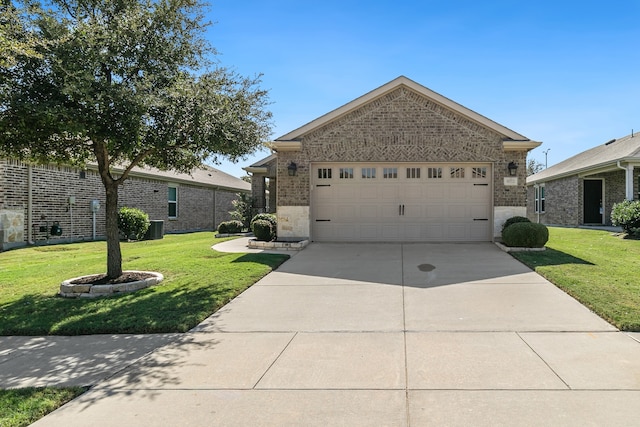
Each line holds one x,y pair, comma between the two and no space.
593,201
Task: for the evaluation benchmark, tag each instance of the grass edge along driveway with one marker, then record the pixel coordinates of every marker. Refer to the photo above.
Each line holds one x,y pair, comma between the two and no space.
598,268
198,281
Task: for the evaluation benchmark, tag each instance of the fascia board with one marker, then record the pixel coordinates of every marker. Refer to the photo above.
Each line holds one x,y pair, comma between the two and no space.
520,145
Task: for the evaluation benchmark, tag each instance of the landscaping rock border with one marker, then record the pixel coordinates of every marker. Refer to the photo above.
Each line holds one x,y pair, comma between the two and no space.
285,246
516,249
70,290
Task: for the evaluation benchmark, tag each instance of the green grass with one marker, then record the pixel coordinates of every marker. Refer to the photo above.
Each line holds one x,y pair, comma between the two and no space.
198,281
597,268
25,406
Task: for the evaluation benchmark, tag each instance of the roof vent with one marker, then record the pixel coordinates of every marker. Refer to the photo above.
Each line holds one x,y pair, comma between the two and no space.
610,142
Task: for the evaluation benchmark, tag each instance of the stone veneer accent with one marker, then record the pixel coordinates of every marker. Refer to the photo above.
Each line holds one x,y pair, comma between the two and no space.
502,213
293,222
11,226
401,126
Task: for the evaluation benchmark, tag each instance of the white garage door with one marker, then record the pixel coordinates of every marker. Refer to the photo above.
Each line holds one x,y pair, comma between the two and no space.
401,202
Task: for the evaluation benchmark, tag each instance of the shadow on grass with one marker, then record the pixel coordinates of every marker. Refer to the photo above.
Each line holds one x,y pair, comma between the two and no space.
149,311
272,260
548,257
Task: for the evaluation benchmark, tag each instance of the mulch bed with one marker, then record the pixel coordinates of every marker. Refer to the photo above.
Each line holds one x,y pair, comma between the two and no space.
101,279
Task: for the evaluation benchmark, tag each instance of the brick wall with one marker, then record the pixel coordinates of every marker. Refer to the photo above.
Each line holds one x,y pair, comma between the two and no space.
199,208
401,126
563,202
564,198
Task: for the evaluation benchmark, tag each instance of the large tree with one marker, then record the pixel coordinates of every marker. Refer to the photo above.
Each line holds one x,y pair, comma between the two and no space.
124,83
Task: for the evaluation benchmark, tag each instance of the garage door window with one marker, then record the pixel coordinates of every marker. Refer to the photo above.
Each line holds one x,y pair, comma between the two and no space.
390,173
457,172
346,173
413,173
434,173
368,173
478,172
324,173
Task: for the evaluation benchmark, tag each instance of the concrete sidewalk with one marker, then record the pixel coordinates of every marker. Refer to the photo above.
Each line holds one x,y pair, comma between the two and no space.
392,334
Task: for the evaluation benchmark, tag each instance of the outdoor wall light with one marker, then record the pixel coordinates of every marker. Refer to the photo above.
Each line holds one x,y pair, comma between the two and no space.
513,168
292,169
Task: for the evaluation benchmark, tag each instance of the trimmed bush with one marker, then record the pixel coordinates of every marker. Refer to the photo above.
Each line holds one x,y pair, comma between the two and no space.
514,220
626,214
263,230
525,235
133,223
230,227
265,217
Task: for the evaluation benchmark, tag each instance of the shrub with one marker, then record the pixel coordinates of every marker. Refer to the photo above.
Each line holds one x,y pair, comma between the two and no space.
271,218
525,235
133,223
514,220
626,214
263,230
230,227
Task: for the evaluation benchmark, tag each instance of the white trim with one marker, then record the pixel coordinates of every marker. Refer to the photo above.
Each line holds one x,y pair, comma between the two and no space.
520,145
279,146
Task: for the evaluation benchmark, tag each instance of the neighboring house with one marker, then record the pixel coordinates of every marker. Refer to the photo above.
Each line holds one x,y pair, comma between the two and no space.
34,198
401,163
583,189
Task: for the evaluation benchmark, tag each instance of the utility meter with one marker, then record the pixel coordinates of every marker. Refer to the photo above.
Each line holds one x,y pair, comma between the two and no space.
95,205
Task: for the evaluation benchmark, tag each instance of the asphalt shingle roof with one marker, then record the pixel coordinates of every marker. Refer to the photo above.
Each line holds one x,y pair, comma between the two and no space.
607,154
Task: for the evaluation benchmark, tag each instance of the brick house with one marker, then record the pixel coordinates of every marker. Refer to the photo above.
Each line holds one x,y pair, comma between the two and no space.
34,198
583,189
400,163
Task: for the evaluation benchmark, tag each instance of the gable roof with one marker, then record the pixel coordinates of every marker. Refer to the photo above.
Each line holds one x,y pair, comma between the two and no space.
205,176
598,159
286,141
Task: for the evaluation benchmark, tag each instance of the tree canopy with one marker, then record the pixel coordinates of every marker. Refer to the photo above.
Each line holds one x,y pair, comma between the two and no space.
122,83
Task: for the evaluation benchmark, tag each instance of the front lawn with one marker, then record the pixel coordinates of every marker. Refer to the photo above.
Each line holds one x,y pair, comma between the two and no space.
599,269
198,281
25,406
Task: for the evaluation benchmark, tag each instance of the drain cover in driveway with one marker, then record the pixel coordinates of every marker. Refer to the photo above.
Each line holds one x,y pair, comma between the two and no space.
426,267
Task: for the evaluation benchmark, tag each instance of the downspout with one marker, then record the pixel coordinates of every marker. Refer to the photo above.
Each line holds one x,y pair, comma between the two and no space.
29,204
628,180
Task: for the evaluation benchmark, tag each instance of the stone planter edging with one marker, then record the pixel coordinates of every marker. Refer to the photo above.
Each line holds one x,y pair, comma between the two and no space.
69,290
285,246
515,249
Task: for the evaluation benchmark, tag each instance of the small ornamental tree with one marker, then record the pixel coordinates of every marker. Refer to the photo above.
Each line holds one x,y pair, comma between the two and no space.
122,84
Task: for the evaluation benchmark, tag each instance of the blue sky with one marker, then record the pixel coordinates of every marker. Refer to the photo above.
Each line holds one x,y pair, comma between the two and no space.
562,72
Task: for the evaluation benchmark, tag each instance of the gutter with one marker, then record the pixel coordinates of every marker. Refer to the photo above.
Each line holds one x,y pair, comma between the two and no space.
628,180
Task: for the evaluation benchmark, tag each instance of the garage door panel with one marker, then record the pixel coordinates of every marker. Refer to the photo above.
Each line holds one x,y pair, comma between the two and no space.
368,191
402,209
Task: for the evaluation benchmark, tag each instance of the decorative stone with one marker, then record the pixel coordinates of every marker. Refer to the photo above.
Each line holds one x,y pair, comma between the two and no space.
70,290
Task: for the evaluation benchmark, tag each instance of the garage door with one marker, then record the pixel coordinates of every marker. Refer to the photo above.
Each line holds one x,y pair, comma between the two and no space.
401,202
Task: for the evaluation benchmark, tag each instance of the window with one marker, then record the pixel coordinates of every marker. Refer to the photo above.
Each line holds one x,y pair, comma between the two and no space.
456,172
434,173
478,172
368,173
389,173
539,199
324,173
346,173
413,173
173,202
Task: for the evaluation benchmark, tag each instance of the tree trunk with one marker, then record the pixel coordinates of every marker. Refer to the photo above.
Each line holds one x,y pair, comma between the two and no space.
114,256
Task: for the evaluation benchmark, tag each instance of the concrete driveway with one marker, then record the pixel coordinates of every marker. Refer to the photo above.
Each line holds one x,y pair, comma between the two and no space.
383,335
